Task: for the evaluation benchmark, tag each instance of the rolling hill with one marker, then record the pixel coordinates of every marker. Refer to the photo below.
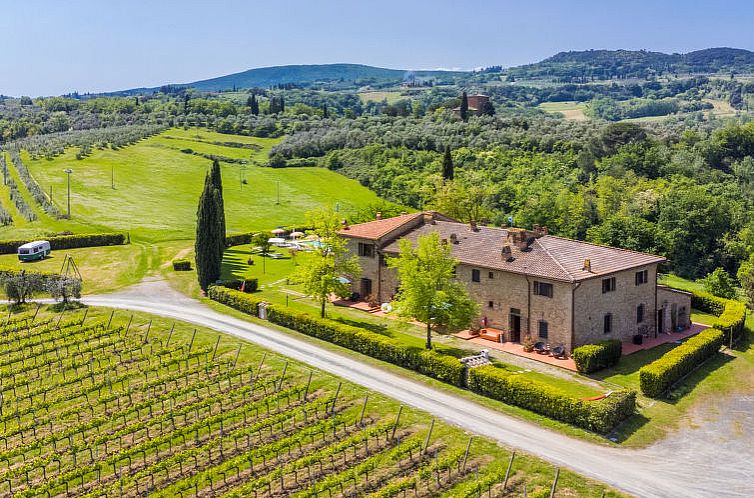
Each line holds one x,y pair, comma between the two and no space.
607,64
307,74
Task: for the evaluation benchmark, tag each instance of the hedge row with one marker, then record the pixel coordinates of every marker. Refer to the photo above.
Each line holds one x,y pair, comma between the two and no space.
599,416
593,357
248,284
238,239
442,367
69,241
656,378
730,313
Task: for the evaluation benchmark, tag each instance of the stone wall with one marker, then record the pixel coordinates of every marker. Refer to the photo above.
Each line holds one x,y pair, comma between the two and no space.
591,306
675,308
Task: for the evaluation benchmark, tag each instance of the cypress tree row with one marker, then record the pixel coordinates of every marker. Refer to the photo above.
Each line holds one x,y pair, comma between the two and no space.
208,235
447,165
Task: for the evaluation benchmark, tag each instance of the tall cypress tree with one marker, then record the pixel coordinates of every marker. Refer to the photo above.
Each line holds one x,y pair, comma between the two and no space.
254,104
464,110
282,104
217,183
208,258
447,165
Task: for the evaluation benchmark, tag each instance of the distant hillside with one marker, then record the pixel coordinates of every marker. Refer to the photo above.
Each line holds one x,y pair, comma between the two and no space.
333,74
608,64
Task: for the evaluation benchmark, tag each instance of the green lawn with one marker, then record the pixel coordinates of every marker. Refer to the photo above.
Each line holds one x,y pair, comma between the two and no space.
157,188
570,110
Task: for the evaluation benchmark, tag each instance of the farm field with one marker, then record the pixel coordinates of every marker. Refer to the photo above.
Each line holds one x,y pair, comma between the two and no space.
157,187
130,405
573,111
390,97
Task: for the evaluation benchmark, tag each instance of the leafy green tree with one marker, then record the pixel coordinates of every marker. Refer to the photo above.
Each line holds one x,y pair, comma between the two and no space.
447,164
428,290
262,240
63,287
719,283
745,275
328,268
208,235
464,109
23,285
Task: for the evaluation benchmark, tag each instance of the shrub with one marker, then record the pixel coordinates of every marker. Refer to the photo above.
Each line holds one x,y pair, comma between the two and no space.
600,415
593,357
238,239
69,241
730,313
720,284
20,285
248,284
658,377
706,302
182,264
236,300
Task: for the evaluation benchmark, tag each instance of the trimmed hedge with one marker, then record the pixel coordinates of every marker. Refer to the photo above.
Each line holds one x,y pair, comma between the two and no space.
249,284
730,313
439,366
593,357
69,241
656,378
182,264
600,416
238,239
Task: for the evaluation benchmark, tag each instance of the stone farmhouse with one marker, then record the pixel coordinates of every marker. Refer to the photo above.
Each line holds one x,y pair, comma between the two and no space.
529,283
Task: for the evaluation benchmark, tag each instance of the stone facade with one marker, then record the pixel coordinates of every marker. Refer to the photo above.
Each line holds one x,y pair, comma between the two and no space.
514,292
673,309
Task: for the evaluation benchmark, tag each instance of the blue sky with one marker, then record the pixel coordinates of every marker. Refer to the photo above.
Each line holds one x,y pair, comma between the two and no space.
52,47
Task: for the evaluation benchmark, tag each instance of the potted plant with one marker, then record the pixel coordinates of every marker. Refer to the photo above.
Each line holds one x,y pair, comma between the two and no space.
528,344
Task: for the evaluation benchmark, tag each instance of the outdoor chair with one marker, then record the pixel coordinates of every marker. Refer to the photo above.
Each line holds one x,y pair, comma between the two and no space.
539,347
558,352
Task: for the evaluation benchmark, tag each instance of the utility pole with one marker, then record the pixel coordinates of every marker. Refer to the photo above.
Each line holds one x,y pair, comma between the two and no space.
68,172
112,177
278,202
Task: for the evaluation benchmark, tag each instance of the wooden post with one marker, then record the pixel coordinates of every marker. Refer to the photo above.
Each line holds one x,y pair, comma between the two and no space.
466,455
191,344
363,410
308,383
39,305
555,482
86,312
170,334
130,319
146,335
109,321
282,377
335,399
238,352
259,368
397,419
429,435
217,343
508,472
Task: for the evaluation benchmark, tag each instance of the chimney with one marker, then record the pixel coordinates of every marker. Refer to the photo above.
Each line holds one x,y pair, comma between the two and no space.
473,225
344,224
378,215
453,238
429,217
507,253
587,266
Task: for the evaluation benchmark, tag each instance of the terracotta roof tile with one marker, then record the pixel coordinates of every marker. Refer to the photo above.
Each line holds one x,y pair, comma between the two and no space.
548,256
379,228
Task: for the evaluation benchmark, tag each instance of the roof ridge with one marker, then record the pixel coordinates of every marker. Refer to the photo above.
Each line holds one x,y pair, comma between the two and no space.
605,246
570,277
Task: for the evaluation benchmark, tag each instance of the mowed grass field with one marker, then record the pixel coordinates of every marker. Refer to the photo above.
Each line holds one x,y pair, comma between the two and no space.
390,97
573,111
157,188
137,405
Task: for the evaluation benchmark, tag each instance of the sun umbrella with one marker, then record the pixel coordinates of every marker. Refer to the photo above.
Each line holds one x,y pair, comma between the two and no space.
278,231
295,235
